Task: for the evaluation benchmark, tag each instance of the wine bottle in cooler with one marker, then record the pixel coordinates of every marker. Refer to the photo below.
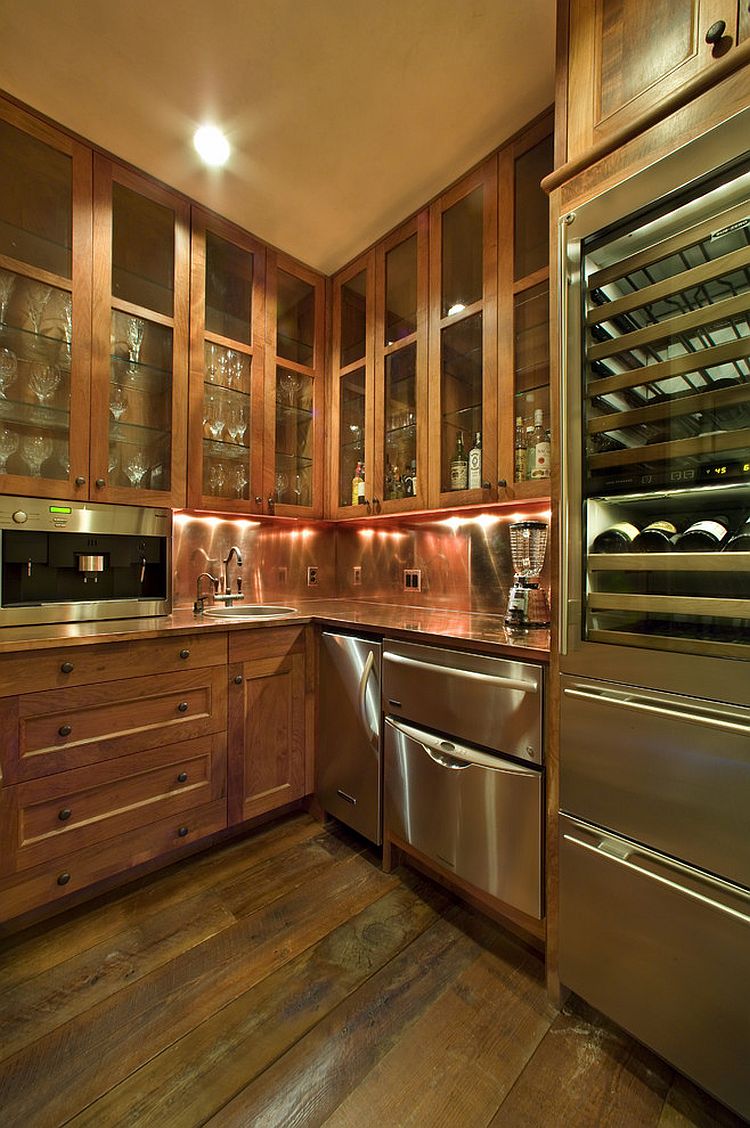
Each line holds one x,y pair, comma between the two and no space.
657,536
740,542
704,535
616,538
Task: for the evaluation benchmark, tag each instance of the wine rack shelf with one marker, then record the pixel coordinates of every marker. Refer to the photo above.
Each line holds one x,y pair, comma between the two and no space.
709,648
714,607
670,562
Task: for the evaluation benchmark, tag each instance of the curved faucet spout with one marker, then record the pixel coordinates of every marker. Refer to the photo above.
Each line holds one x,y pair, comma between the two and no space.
233,552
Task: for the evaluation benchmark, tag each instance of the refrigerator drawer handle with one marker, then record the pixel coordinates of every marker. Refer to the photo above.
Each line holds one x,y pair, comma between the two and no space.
362,697
624,861
662,711
469,675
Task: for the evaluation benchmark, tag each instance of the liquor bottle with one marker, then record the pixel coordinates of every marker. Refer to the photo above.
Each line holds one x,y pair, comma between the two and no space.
655,537
617,538
705,535
530,459
413,477
356,482
460,465
540,438
740,542
361,486
399,490
475,463
520,449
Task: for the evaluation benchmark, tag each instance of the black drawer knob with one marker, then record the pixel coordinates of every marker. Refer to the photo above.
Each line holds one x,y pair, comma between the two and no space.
715,33
182,707
64,814
100,483
182,831
238,679
502,483
67,668
182,777
184,654
63,879
65,730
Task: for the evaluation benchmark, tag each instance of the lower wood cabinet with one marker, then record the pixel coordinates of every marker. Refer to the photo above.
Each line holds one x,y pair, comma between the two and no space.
270,734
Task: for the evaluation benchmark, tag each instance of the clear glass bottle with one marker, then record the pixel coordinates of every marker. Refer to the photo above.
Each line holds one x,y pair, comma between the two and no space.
475,463
460,465
540,440
519,447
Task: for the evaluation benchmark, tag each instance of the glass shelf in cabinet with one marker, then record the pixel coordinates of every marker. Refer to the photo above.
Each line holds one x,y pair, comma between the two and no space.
300,459
219,448
138,373
461,412
290,411
29,346
39,415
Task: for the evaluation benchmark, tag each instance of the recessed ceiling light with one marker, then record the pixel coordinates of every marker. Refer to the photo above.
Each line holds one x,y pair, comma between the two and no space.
211,144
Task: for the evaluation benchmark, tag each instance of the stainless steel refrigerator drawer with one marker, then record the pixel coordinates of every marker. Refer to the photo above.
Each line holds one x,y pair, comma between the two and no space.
476,816
664,950
672,772
492,702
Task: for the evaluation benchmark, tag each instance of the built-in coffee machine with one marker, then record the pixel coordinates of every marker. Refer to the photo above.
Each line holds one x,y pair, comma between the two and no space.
72,561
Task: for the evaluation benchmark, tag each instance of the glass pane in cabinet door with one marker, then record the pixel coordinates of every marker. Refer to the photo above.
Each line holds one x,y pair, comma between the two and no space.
463,274
353,319
36,202
142,251
229,289
461,397
140,404
352,434
295,318
35,341
400,423
226,423
531,325
294,438
531,220
401,291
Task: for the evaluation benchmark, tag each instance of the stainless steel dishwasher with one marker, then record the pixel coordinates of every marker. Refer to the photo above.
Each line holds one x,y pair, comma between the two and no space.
349,763
463,766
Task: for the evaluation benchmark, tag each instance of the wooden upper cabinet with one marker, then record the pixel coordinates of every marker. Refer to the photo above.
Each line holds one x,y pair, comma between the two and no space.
626,57
227,348
140,339
45,308
293,449
743,32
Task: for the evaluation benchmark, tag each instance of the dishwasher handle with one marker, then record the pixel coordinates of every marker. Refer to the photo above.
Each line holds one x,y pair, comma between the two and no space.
453,755
524,684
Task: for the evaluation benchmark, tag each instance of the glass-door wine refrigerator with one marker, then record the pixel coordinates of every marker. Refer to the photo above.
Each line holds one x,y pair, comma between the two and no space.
655,606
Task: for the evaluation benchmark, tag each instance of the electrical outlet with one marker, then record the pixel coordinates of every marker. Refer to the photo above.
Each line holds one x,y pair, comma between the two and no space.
412,579
312,576
357,575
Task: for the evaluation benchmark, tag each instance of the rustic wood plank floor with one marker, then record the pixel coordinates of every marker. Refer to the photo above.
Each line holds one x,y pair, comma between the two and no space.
285,980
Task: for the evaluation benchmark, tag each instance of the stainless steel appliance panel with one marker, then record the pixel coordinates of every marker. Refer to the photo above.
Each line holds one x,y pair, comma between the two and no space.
664,950
672,772
349,763
476,816
492,702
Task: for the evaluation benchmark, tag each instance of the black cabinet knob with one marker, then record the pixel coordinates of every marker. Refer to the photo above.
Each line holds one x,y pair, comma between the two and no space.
182,707
486,486
80,481
64,814
182,831
270,505
184,654
63,879
715,33
100,483
502,483
67,668
65,730
182,777
238,679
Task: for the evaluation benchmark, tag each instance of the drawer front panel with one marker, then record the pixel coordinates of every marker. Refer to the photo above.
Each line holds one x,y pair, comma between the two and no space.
70,728
82,868
71,810
85,665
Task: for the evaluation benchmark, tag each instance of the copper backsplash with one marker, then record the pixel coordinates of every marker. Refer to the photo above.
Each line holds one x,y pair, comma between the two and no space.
464,561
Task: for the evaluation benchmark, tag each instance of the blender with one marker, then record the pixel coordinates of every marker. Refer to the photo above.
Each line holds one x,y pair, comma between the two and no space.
527,601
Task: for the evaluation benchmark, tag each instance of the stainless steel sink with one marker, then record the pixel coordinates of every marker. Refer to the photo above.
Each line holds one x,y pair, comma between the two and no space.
251,611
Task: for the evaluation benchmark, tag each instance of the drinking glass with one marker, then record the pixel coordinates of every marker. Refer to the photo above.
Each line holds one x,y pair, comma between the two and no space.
289,385
36,450
36,303
216,478
44,380
239,479
136,469
213,362
8,446
118,401
66,316
8,369
282,485
7,282
114,459
215,416
63,456
239,422
134,337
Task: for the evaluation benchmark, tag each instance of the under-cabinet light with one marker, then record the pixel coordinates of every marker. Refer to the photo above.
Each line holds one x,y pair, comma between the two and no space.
459,307
211,145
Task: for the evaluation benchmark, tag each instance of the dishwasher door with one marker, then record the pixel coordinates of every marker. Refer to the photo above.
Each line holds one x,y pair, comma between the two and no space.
348,763
475,815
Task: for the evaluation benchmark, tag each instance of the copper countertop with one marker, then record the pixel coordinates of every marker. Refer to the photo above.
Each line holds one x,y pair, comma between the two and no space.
461,628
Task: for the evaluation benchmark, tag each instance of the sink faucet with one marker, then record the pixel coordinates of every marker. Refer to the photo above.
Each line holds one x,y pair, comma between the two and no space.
200,599
228,597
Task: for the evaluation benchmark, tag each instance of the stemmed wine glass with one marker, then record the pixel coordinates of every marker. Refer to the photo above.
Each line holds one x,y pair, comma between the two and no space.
36,450
7,282
289,385
237,422
63,456
239,479
8,369
66,317
134,337
282,485
213,362
44,380
118,401
215,416
36,303
216,478
136,469
8,446
114,459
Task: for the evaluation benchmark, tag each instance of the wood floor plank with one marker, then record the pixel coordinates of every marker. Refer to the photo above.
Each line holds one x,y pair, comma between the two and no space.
687,1106
71,1067
193,1078
588,1073
49,943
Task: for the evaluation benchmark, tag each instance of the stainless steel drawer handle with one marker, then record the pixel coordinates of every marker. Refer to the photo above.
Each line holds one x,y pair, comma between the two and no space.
445,760
470,675
182,707
348,798
706,719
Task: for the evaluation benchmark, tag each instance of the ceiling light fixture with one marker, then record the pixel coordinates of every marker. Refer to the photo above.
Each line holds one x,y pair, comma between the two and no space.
211,145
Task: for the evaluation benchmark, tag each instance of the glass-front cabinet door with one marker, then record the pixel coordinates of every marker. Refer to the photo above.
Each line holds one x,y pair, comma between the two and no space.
140,341
45,309
225,465
463,341
294,438
353,408
401,419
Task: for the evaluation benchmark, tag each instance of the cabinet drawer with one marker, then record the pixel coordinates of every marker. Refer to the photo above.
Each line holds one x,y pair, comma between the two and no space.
70,810
68,728
78,869
84,665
